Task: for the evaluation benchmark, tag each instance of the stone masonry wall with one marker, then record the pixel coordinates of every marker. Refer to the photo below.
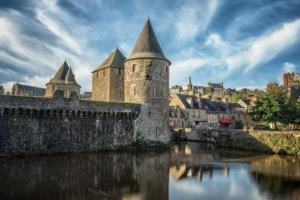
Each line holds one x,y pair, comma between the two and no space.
31,125
146,81
101,85
287,142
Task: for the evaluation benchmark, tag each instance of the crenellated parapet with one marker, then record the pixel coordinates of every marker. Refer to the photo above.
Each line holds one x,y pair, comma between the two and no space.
30,125
60,107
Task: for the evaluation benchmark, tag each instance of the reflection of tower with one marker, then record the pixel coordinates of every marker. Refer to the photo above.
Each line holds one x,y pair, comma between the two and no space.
146,82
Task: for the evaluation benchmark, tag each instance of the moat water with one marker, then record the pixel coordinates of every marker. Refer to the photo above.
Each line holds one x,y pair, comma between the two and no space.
186,171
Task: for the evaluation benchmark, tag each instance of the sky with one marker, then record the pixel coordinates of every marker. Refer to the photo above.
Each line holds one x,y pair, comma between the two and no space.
241,43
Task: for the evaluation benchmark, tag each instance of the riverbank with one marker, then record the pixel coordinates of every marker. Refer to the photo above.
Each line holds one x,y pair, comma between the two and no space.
279,142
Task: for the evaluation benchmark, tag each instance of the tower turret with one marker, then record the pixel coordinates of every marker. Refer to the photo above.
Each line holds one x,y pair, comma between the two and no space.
146,82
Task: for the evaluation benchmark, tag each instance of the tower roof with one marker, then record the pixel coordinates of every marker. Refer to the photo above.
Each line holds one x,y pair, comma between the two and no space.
115,59
147,45
61,73
64,75
70,77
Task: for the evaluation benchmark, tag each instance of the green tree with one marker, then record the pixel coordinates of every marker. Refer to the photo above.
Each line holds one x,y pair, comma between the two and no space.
235,97
276,107
269,108
291,112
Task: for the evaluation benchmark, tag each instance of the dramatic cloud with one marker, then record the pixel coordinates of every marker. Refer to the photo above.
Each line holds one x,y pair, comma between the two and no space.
210,40
195,17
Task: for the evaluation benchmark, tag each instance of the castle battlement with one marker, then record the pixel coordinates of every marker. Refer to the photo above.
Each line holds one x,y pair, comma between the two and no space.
31,125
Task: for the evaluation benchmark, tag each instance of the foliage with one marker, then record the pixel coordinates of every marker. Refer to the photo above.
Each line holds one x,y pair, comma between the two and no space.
236,96
276,107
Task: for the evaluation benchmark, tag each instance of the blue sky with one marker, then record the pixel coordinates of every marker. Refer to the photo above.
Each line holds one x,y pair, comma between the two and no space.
242,43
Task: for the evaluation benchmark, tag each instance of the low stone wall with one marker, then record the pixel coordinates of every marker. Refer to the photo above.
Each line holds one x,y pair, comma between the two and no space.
30,125
286,142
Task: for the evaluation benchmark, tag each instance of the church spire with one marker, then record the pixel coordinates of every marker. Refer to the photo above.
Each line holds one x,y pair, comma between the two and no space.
147,45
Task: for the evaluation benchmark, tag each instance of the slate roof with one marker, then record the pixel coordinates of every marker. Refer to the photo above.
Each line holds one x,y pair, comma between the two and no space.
207,104
70,78
115,59
30,89
62,72
64,75
147,45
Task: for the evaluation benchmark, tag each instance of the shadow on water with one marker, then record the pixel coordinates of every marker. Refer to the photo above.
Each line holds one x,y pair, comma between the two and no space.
186,171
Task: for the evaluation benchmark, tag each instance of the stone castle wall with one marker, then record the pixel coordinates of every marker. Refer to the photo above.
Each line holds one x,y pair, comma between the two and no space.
100,91
287,142
108,85
67,88
146,82
31,125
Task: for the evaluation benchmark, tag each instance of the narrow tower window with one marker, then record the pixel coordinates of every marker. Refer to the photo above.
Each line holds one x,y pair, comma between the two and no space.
134,91
104,72
120,72
133,68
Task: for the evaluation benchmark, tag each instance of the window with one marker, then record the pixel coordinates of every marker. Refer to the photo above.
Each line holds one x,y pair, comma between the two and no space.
134,91
166,69
133,68
120,71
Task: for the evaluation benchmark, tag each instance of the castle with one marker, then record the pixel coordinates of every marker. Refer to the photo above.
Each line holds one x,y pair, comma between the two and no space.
63,80
136,91
142,78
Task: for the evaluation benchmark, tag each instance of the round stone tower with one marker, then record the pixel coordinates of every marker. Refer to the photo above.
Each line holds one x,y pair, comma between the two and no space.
146,81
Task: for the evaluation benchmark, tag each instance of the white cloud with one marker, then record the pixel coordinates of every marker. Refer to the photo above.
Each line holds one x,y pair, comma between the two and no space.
288,67
265,48
195,17
183,68
53,18
38,57
215,41
250,53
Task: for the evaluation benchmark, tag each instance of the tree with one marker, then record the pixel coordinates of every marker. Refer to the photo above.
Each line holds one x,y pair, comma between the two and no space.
269,108
235,97
276,107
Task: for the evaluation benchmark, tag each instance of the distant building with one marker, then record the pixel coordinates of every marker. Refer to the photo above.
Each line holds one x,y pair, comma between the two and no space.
63,80
2,92
108,78
291,82
291,79
26,90
293,91
86,96
217,89
272,87
190,90
203,112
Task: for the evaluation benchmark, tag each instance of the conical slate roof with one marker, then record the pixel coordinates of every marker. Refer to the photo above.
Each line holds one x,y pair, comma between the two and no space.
115,59
70,78
147,45
61,73
64,75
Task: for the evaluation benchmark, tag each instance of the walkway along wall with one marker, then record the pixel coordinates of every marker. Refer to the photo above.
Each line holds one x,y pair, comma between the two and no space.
30,125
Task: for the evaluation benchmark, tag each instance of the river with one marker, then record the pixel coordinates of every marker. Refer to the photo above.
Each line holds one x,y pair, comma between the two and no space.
186,171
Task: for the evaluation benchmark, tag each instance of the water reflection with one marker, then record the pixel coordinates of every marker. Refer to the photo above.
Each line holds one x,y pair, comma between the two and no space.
223,174
187,171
